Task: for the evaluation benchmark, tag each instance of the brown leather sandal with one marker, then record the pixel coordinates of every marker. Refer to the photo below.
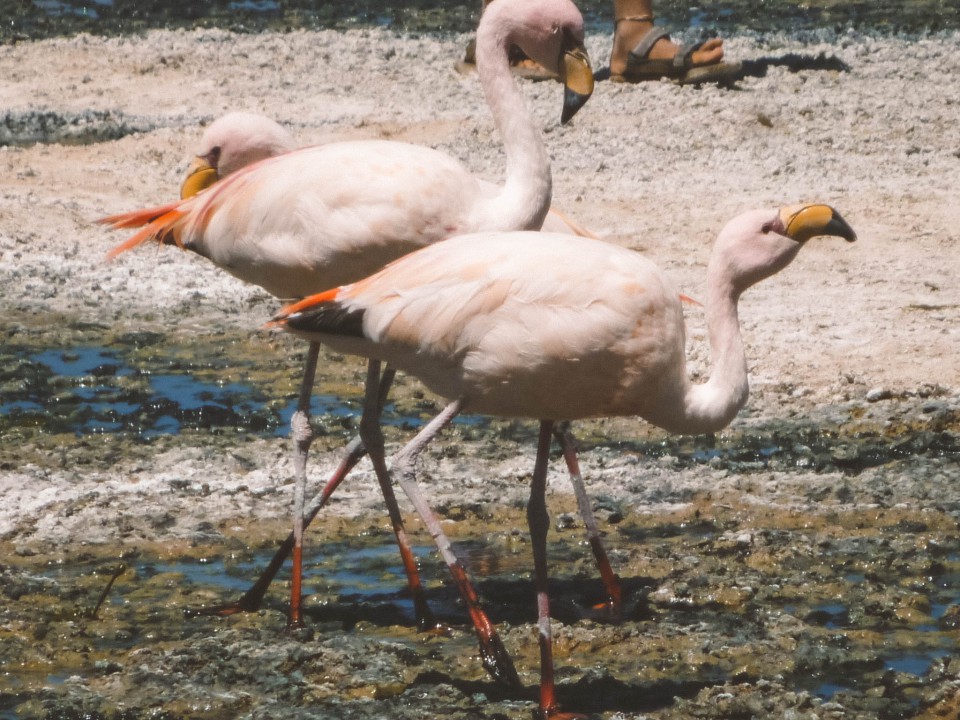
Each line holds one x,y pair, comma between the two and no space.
680,68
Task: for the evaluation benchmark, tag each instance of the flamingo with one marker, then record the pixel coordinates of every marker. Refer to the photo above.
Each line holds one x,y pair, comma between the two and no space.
238,139
555,328
322,216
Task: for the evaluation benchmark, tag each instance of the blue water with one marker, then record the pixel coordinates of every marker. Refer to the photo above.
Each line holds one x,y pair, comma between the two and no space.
915,663
94,390
366,572
83,391
56,8
68,16
337,568
348,571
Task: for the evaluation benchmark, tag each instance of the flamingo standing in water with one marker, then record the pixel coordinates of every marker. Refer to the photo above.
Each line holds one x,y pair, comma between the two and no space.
322,216
238,139
553,327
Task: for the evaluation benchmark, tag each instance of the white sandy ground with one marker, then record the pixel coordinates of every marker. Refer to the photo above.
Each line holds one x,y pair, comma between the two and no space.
656,167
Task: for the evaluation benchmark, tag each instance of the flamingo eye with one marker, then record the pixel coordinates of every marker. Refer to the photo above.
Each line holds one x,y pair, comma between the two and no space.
767,227
213,157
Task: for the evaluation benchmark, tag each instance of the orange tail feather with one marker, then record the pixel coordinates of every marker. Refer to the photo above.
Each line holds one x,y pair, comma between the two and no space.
157,228
137,218
308,302
323,313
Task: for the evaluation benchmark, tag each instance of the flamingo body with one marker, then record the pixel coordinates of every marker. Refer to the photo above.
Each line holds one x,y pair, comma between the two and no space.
263,225
491,328
552,326
313,218
555,327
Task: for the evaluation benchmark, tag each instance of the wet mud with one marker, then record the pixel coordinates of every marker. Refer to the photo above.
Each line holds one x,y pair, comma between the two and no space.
817,576
856,612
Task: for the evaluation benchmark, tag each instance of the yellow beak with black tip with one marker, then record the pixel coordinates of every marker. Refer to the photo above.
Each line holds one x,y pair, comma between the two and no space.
803,222
577,77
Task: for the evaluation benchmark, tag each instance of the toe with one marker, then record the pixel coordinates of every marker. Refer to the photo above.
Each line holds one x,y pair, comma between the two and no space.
709,53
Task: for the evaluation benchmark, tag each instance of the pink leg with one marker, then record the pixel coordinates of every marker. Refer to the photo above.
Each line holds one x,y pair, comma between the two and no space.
302,437
494,655
252,599
372,438
539,522
610,580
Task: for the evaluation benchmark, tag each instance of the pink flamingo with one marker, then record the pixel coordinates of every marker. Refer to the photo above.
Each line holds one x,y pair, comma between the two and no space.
553,327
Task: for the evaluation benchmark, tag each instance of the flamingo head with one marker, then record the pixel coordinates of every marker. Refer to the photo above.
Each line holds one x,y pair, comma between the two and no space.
231,142
549,32
757,244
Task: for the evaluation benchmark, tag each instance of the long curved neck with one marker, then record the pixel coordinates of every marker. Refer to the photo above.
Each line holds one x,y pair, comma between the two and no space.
523,200
712,405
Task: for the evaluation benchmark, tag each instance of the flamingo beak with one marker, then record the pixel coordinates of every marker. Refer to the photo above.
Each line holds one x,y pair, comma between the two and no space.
803,222
200,175
577,78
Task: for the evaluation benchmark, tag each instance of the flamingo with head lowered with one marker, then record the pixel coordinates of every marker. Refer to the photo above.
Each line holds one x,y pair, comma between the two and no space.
322,216
554,327
238,139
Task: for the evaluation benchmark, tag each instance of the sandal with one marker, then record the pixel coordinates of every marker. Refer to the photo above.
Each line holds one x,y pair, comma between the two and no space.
679,68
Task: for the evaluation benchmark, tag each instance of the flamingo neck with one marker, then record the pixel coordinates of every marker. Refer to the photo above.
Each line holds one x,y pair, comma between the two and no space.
523,200
712,405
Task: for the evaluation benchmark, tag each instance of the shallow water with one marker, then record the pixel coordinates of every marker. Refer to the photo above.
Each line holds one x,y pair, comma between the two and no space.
98,389
119,389
355,589
43,18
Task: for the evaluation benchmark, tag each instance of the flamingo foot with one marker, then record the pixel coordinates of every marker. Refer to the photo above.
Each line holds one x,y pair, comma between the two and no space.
224,610
553,713
498,663
607,612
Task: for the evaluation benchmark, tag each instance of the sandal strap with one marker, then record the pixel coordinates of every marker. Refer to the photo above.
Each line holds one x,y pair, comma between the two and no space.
685,51
642,48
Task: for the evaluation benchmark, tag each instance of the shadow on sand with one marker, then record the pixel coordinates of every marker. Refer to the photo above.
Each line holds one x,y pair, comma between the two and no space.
794,62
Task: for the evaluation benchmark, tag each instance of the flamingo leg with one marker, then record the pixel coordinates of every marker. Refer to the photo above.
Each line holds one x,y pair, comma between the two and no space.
611,582
496,659
252,599
302,434
539,522
372,437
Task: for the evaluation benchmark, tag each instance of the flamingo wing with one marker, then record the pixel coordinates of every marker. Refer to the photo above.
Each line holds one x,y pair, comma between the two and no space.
487,318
